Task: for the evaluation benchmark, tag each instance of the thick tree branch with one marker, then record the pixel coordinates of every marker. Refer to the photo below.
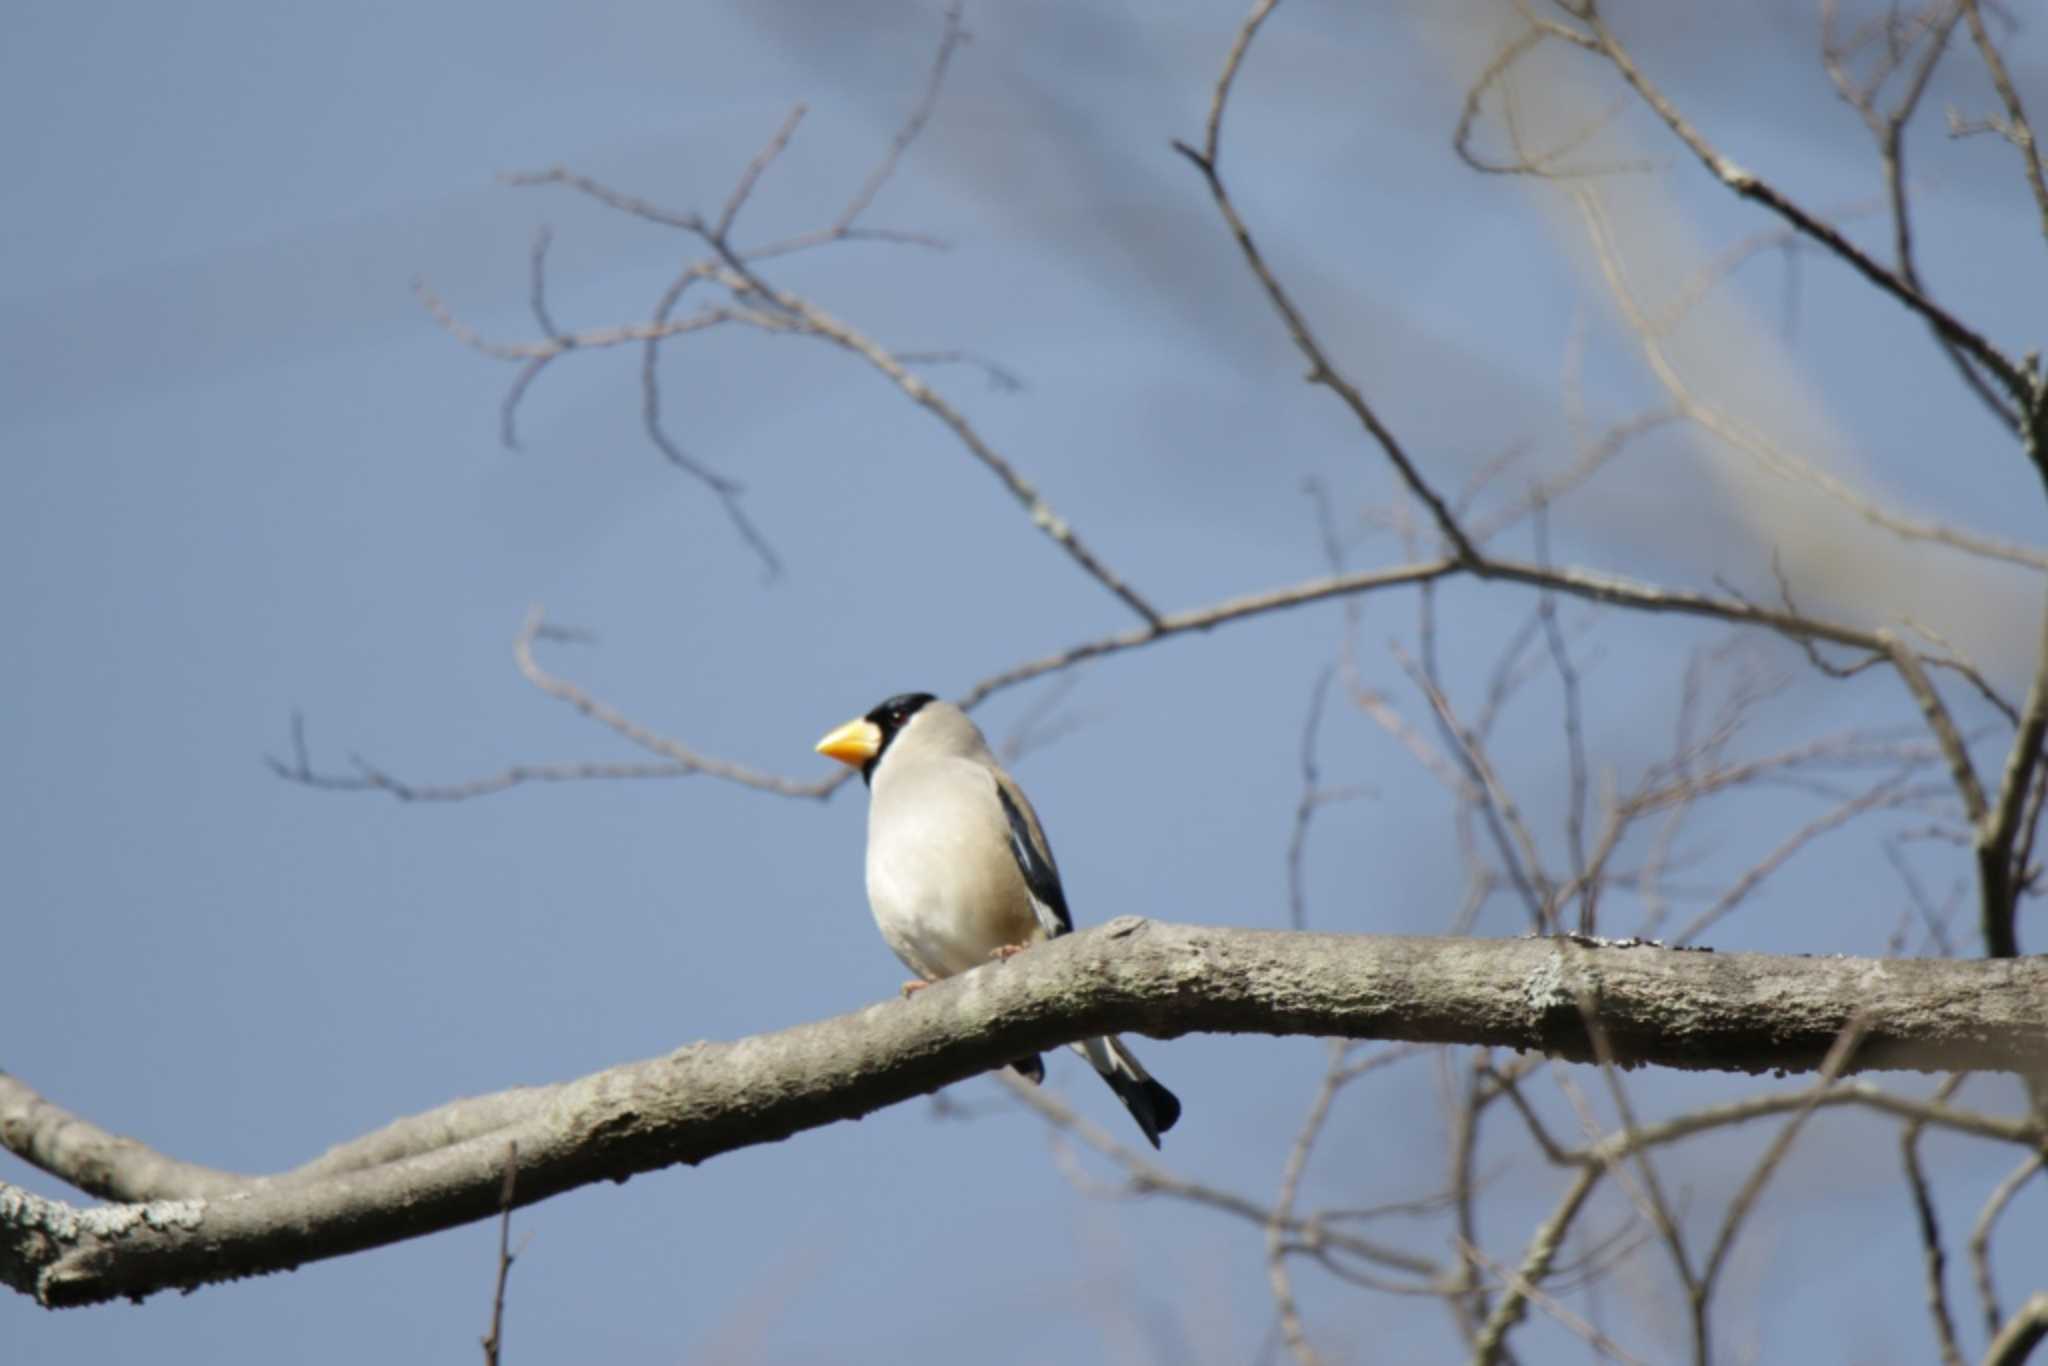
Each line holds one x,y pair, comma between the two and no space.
1674,1008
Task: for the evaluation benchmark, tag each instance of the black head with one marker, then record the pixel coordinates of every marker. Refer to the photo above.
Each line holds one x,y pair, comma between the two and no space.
890,717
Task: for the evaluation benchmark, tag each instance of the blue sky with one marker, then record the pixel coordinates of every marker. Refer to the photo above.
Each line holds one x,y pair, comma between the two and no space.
252,478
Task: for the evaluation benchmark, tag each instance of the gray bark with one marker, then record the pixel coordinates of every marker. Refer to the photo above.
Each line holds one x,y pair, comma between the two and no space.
185,1226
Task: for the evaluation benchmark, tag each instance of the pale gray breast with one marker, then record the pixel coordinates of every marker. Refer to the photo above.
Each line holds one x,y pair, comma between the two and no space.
943,883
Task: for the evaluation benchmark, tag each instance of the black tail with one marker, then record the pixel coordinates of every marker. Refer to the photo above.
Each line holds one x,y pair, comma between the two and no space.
1154,1107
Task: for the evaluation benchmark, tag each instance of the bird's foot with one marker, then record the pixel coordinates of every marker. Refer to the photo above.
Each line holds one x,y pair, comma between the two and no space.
1008,951
911,989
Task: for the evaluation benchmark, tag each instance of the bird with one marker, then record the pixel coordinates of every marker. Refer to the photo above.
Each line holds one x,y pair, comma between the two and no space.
959,871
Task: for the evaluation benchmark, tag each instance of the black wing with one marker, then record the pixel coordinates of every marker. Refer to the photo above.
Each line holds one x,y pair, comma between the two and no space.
1034,860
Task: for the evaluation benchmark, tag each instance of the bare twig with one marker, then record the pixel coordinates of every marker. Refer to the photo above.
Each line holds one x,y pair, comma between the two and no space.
1749,185
1513,840
1930,918
537,286
1205,160
951,39
534,358
808,319
2019,132
1831,1067
743,188
1314,796
1041,724
1998,828
1891,792
1987,1221
1940,723
1574,736
494,1337
2017,1340
1145,1177
1291,1331
727,490
1932,1256
1654,1203
1611,590
1536,1264
1593,1337
560,343
1931,27
1471,1305
1753,443
678,760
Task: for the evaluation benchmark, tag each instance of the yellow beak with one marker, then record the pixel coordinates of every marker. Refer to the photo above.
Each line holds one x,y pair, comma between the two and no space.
854,743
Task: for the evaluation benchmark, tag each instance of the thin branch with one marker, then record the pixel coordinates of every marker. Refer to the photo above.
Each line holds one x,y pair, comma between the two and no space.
2017,1340
1608,589
1208,618
1320,370
1748,185
494,1337
618,722
1471,1306
1934,1260
1219,95
1491,1345
1930,918
537,280
1146,1177
1999,827
725,488
1314,796
951,39
678,760
1588,997
743,188
806,318
1940,723
1885,794
1513,840
1832,1067
561,343
2020,133
1964,667
1932,27
1475,96
1291,1331
1759,448
1543,163
1593,1337
534,358
1574,735
1041,725
1376,706
369,777
1987,1221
